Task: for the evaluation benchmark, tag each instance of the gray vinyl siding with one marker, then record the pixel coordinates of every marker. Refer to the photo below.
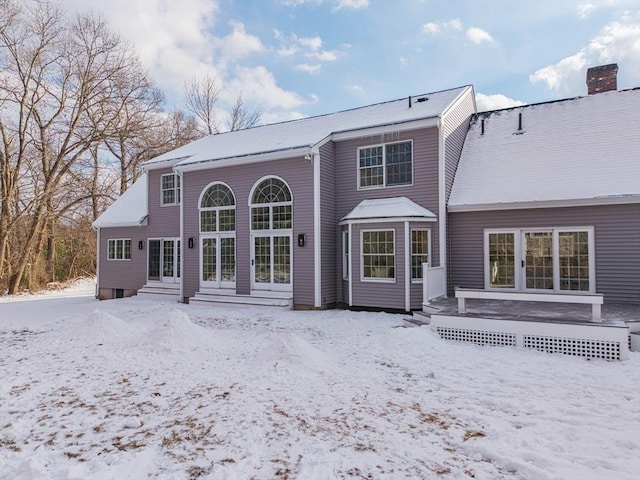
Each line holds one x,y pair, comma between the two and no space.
298,173
374,294
124,274
617,243
330,250
162,222
455,131
424,190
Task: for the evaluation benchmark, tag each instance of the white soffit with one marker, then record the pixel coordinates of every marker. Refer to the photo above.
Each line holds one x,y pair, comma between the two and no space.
130,209
579,149
391,209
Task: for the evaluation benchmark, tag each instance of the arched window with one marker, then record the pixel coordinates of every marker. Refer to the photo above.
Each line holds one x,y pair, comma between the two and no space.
271,205
217,209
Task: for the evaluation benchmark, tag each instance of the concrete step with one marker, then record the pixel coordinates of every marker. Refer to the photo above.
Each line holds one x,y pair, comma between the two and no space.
162,291
227,300
419,319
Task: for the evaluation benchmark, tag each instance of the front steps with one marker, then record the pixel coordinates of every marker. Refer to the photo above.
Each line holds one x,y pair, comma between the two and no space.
227,298
161,291
420,319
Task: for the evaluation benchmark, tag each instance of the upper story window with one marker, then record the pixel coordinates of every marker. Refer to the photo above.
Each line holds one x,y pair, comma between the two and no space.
217,209
385,165
170,189
271,205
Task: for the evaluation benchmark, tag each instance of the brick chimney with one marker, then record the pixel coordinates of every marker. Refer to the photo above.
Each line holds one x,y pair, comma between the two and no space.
602,78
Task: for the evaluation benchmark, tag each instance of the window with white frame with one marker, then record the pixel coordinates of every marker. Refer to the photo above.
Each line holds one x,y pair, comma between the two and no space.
385,165
419,252
378,255
345,254
218,209
271,206
170,189
119,249
552,259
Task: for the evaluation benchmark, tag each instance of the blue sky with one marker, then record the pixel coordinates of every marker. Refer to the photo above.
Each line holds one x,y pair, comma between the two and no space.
295,58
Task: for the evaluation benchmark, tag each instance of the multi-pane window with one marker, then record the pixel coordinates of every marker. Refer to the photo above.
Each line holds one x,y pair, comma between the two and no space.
170,189
378,255
271,206
218,209
345,254
119,249
385,165
419,252
555,259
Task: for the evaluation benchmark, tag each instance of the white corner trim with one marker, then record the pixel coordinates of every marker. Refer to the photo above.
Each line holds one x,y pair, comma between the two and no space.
182,272
407,267
97,262
442,204
350,266
317,234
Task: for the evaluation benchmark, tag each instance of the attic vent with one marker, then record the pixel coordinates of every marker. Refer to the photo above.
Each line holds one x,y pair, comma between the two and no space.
422,99
520,131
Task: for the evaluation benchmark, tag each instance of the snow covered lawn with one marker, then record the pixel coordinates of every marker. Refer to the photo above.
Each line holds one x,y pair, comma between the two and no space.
135,389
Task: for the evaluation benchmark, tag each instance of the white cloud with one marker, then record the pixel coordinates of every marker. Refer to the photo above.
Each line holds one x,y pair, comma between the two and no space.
495,102
431,28
238,43
354,88
455,24
618,42
259,87
351,4
305,67
308,47
585,9
403,62
477,35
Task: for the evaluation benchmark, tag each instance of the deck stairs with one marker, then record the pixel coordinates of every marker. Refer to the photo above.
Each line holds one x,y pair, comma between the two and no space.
420,318
160,291
228,298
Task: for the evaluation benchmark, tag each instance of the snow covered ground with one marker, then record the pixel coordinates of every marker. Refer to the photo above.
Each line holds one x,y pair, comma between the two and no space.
137,389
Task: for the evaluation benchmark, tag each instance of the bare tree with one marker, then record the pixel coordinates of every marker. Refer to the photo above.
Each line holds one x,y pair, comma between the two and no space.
65,87
201,96
240,117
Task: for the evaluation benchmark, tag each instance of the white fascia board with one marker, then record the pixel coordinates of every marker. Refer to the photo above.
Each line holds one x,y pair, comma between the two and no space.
244,160
142,223
151,165
458,99
317,234
584,202
381,129
355,221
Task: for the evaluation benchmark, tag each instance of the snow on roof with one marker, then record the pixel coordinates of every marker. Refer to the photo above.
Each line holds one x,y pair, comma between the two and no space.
306,132
577,149
130,209
394,207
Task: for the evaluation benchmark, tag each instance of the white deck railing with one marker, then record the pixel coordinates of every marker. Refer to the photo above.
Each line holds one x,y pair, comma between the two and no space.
433,282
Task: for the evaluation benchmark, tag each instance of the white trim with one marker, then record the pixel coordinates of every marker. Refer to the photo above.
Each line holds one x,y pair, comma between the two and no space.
97,262
382,129
120,239
577,202
295,152
519,257
346,253
218,284
384,166
258,182
442,201
364,279
407,267
181,240
350,265
159,164
356,221
177,190
317,234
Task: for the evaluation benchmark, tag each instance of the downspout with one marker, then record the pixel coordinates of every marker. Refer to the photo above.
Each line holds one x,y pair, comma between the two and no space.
407,267
442,207
182,272
97,262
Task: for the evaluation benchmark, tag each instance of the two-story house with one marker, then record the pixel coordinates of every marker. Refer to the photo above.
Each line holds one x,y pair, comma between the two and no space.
334,210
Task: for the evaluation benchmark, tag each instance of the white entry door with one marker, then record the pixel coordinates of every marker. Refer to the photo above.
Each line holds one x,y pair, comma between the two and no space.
271,262
218,261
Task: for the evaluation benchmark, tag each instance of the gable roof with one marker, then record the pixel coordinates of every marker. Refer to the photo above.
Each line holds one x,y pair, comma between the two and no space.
583,149
303,134
129,210
388,209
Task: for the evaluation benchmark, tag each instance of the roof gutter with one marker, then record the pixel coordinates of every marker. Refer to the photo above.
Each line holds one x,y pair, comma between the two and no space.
579,202
246,159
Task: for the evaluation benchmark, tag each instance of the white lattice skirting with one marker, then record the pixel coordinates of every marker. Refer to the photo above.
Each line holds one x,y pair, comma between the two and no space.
606,341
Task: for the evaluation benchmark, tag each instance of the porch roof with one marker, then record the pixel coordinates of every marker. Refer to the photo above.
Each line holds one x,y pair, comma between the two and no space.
129,210
574,151
389,209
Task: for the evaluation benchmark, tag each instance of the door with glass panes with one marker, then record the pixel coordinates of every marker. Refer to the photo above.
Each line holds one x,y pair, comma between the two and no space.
163,260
